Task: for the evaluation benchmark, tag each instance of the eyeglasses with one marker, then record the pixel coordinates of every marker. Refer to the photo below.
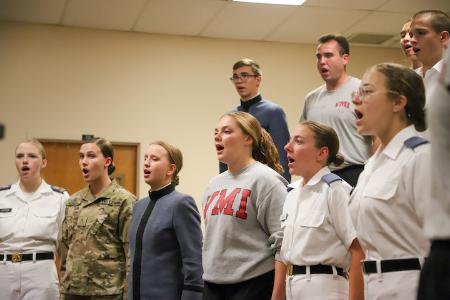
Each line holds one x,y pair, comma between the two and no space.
362,93
242,76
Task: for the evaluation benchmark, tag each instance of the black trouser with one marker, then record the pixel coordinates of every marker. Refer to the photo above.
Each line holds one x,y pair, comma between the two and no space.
350,174
258,288
435,276
76,297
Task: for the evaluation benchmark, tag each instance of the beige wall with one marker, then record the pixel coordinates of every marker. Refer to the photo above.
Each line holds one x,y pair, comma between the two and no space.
58,82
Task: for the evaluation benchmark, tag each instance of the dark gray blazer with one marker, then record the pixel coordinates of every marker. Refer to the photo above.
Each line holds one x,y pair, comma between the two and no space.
171,265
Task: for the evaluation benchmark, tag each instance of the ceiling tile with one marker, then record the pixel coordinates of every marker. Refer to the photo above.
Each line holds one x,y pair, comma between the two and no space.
392,23
347,4
307,24
412,6
225,19
103,14
178,16
393,43
39,11
247,21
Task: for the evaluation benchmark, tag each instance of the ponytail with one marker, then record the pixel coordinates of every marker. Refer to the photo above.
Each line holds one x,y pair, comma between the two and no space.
266,152
111,168
337,161
263,148
416,116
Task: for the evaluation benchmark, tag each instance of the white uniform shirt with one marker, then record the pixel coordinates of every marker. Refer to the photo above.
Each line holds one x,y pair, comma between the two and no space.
33,224
317,224
430,80
387,205
437,221
294,185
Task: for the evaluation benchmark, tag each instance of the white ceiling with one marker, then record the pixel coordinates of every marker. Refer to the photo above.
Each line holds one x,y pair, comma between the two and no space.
226,19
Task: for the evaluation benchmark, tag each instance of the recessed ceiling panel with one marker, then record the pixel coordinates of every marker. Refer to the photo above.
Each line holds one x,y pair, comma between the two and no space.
178,16
247,21
346,4
412,6
391,23
103,14
38,11
307,24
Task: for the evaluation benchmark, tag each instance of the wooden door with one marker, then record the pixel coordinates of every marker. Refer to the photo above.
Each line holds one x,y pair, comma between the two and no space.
64,171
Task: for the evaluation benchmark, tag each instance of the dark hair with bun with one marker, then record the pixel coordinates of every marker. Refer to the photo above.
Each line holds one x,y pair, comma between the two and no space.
325,136
403,81
107,150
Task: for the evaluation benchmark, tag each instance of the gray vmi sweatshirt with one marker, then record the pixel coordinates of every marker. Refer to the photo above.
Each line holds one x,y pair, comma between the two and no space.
242,215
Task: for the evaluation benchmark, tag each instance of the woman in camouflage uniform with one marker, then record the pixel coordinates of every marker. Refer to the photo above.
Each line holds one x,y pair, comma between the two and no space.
95,230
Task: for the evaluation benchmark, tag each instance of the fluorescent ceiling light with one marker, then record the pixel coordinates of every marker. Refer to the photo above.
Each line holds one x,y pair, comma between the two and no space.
281,2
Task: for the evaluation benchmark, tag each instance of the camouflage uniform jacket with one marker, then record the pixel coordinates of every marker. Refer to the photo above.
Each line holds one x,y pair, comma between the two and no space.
95,234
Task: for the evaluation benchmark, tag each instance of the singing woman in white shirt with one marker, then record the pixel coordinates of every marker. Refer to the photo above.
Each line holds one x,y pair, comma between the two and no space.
387,205
31,214
319,245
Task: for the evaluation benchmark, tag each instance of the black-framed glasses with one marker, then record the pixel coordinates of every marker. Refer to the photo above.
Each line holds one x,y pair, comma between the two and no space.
242,76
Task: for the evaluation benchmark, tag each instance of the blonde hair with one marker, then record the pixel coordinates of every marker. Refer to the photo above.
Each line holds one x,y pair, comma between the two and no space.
175,157
37,144
263,148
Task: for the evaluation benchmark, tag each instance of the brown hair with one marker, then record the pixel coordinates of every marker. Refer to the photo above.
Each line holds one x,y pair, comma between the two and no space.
406,82
175,157
263,148
344,47
439,20
107,150
249,63
37,144
325,136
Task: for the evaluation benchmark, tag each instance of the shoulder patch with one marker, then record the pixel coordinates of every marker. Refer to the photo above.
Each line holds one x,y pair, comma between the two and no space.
5,187
415,141
57,189
330,178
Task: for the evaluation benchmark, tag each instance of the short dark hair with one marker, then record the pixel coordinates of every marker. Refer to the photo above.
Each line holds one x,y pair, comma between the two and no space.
340,39
247,62
439,20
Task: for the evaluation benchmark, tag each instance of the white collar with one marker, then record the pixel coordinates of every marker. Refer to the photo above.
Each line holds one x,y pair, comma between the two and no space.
43,188
393,148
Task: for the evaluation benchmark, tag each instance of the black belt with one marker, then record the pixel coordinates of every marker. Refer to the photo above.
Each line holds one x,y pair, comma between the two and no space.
18,257
316,269
350,167
391,265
